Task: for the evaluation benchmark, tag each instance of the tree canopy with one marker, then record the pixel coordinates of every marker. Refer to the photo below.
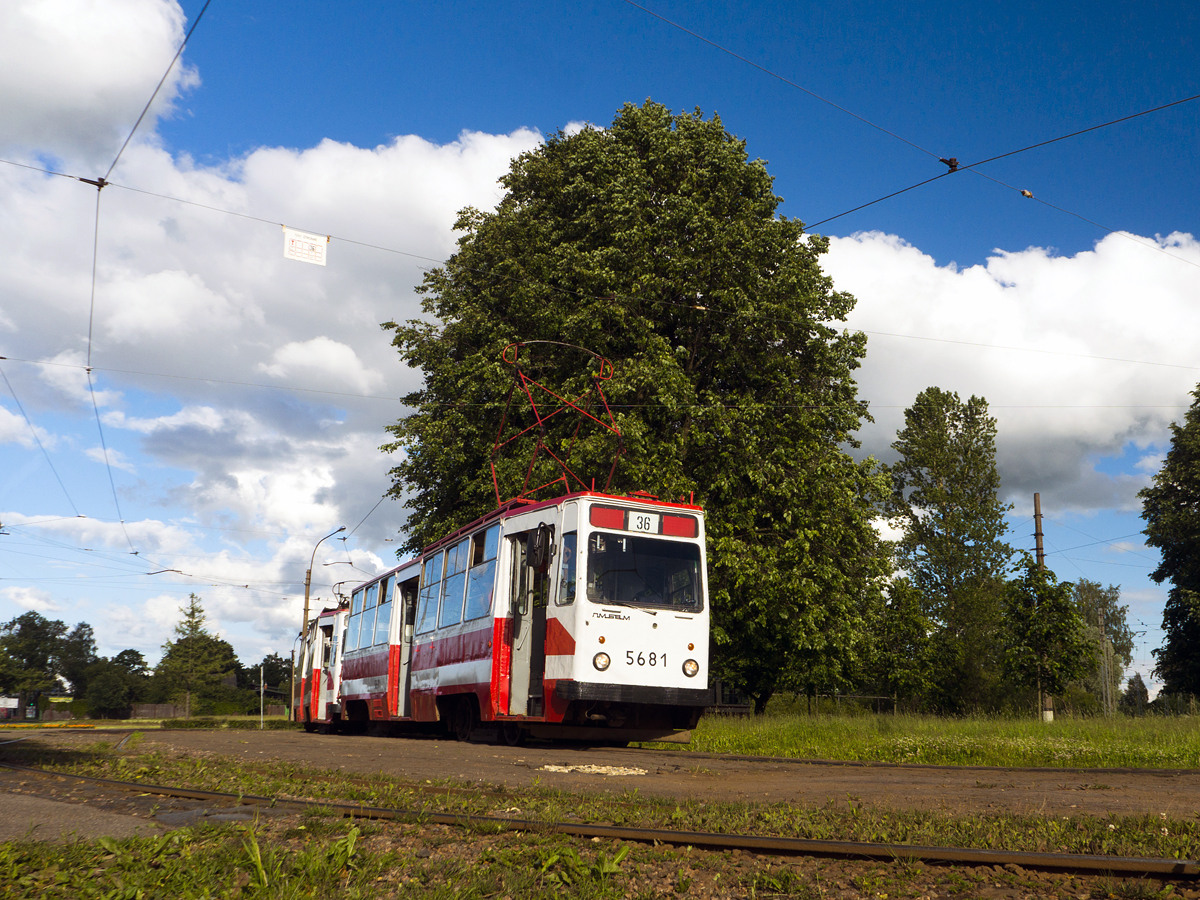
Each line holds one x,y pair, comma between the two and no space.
196,665
1046,645
945,499
656,244
1171,509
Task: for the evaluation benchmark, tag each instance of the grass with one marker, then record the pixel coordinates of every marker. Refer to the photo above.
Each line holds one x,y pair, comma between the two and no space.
324,856
1121,742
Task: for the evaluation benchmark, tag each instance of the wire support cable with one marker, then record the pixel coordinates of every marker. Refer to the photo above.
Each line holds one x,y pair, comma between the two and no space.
108,462
38,439
161,82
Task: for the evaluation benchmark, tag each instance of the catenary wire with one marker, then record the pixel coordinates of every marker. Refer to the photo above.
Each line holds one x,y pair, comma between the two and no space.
38,438
161,82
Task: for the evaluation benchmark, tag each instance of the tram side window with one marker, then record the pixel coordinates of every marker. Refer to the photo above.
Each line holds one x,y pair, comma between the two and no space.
566,571
367,633
431,586
484,549
454,584
383,614
356,605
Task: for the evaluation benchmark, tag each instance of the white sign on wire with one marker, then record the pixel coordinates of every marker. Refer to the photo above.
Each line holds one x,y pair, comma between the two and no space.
301,245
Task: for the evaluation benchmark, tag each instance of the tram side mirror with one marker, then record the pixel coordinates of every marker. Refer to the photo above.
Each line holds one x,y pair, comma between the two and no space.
537,547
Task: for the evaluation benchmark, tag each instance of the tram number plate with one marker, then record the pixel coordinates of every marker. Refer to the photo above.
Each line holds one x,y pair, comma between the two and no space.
647,523
645,659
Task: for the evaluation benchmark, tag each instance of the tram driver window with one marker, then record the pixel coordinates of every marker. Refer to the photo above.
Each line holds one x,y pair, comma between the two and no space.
566,571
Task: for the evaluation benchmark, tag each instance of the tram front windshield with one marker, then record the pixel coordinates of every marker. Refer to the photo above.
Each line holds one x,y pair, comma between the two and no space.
629,570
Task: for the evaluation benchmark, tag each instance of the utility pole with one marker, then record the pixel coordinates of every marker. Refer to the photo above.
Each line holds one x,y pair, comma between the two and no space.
1045,704
1037,531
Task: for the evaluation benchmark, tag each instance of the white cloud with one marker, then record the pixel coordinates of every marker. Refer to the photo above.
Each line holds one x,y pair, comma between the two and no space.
77,73
328,363
30,599
114,458
14,429
1071,370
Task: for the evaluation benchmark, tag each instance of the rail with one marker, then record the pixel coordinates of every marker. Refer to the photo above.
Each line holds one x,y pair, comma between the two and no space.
1177,869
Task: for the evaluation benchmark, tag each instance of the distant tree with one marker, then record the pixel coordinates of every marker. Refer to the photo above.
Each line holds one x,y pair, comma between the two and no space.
110,693
1109,632
1136,698
657,244
1171,509
76,654
196,666
114,685
1047,645
276,672
945,500
8,671
902,664
33,643
131,662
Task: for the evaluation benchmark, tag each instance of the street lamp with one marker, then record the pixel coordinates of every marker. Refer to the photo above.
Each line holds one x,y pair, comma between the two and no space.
308,575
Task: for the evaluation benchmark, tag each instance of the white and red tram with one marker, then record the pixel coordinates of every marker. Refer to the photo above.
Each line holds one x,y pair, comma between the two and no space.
581,617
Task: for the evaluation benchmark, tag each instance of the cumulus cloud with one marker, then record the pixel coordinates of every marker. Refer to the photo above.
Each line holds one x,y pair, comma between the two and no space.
77,73
322,361
30,599
1072,373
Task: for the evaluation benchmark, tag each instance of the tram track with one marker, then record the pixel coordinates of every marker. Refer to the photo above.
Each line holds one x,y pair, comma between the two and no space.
1113,866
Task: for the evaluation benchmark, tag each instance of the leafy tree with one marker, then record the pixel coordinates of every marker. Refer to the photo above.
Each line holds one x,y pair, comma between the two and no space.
33,643
114,685
1109,632
1047,645
131,662
276,673
1136,698
110,691
1171,508
945,499
196,665
902,664
76,653
655,243
9,671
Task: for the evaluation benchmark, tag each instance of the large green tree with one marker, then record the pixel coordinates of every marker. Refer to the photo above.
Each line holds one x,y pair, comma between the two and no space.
656,243
1108,629
1046,643
197,667
1171,508
76,654
34,645
945,500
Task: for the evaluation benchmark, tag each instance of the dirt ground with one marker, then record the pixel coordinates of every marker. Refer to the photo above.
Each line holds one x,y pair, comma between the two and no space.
50,809
968,790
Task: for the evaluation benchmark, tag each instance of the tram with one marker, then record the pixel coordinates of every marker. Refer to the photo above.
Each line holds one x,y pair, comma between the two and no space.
583,616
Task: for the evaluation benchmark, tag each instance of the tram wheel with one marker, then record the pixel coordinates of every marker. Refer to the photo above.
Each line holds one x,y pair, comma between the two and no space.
512,735
465,720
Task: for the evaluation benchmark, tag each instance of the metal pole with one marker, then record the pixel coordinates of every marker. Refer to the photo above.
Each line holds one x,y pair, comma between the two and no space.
308,576
304,620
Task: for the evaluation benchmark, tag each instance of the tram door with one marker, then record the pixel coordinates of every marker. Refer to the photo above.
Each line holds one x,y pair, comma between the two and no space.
406,597
531,552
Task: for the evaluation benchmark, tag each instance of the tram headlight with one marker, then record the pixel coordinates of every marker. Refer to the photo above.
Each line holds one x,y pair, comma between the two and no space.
690,668
601,661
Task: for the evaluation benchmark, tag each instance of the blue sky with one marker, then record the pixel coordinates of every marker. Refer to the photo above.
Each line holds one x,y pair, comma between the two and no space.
242,396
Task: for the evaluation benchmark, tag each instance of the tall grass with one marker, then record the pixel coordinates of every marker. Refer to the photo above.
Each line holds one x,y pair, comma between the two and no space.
1143,743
